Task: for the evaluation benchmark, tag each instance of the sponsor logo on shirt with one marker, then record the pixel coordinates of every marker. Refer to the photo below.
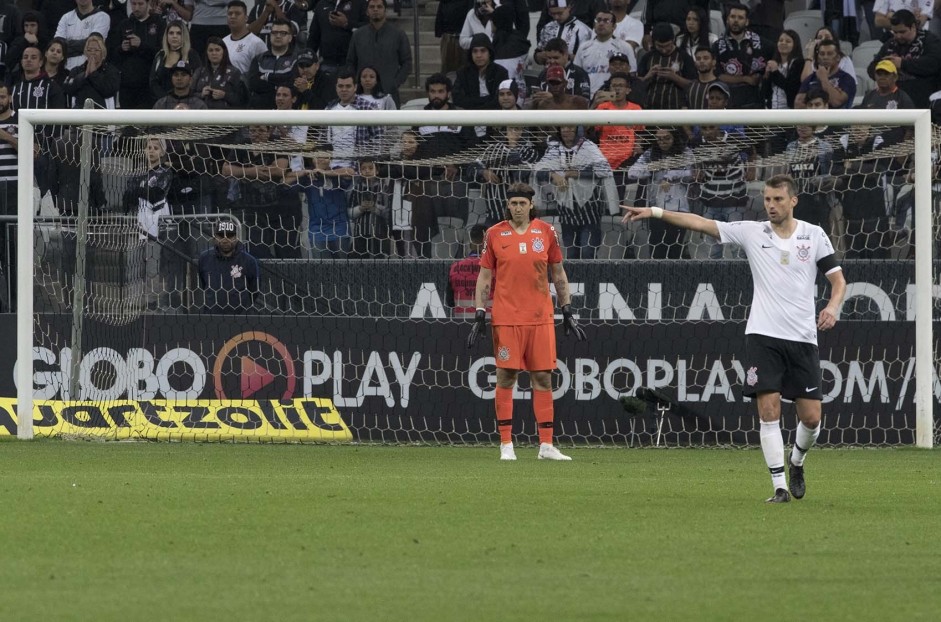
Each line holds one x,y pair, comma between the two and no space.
506,233
535,230
804,236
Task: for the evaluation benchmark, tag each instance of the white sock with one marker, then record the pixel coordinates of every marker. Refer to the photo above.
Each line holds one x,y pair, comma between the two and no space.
772,446
803,441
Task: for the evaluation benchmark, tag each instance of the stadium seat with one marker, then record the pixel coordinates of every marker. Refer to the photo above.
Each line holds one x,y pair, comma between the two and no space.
864,53
716,23
864,84
846,48
804,25
805,13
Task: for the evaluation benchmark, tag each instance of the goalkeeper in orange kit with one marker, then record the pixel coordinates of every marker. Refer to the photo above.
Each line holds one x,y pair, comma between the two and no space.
523,252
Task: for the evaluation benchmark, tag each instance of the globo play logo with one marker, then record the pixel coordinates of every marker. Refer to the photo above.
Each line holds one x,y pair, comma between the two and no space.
254,365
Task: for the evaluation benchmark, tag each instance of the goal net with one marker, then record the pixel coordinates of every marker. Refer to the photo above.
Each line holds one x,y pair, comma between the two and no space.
307,276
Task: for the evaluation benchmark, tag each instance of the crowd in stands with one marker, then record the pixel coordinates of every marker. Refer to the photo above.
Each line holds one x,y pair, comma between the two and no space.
362,198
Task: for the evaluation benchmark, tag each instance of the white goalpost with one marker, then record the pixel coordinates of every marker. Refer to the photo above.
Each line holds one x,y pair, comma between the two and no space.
319,365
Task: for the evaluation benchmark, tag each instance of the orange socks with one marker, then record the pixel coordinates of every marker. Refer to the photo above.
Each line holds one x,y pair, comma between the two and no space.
542,407
504,402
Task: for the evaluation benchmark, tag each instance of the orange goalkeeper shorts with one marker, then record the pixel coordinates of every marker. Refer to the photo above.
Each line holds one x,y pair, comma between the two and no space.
525,347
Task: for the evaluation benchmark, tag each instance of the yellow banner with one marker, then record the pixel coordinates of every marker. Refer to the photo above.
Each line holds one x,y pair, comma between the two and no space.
307,419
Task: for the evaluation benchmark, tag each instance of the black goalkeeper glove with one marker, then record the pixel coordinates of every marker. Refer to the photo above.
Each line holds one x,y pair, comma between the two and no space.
479,328
571,324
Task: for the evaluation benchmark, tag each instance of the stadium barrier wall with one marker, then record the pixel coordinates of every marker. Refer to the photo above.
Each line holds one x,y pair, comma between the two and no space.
400,370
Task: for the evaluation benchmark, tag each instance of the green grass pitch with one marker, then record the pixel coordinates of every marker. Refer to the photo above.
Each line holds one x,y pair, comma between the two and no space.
119,531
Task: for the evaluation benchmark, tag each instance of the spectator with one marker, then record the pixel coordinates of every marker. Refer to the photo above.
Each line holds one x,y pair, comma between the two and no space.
32,32
618,143
401,187
228,274
576,177
76,25
508,95
672,12
884,10
840,87
783,72
510,44
326,187
817,99
862,193
809,161
147,194
173,10
916,55
367,212
582,10
887,94
695,32
54,61
266,205
383,46
331,31
554,96
181,91
627,28
810,53
476,22
462,277
314,87
209,19
264,14
347,142
243,44
285,98
53,10
577,81
594,54
665,171
443,193
722,172
564,25
506,160
175,48
133,45
272,68
218,82
368,85
667,71
705,62
95,79
767,17
479,80
9,146
741,56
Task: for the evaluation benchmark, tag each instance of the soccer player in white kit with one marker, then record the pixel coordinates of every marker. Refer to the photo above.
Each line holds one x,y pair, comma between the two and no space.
784,255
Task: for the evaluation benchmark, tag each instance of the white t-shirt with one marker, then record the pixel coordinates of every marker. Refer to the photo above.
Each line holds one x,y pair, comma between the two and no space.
593,57
244,51
630,29
784,272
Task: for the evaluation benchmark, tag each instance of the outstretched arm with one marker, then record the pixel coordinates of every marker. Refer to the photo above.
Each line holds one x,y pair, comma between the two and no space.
830,313
684,220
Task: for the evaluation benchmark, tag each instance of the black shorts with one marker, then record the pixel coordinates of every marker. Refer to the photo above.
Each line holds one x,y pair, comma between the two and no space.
791,368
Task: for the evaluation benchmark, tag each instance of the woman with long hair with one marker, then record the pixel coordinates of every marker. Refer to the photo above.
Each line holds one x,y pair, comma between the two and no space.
54,63
783,72
174,48
695,31
369,85
218,81
666,170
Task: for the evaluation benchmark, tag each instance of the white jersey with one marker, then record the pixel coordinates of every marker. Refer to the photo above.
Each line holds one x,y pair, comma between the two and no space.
630,29
784,272
75,27
593,58
243,51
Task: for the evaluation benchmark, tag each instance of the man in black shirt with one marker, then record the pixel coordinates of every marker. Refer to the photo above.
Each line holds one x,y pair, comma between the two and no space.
228,274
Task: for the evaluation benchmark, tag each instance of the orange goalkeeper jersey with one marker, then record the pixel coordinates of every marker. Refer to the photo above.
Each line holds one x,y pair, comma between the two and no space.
520,264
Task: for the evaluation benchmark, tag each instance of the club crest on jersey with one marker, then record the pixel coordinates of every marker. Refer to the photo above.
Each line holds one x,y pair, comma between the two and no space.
236,272
752,376
803,253
538,245
503,353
